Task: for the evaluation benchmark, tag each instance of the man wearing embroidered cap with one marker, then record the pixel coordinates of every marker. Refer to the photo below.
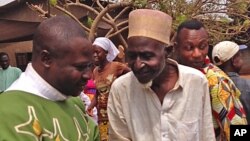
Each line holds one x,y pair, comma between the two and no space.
156,101
227,55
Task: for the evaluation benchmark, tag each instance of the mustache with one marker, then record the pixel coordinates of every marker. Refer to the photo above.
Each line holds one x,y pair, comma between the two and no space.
141,70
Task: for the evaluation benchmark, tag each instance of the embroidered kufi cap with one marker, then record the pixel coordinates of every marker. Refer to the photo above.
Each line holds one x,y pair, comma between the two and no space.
150,23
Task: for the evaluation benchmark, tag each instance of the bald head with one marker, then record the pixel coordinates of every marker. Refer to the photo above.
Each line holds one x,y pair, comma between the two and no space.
62,54
55,33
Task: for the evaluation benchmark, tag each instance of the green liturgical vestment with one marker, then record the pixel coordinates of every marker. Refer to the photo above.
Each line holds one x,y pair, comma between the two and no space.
27,117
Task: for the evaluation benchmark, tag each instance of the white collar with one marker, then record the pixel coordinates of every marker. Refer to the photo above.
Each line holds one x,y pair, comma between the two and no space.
30,81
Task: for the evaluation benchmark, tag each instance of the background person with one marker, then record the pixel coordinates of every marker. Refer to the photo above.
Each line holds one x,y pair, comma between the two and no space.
191,48
90,90
43,104
8,74
159,99
227,55
105,72
87,101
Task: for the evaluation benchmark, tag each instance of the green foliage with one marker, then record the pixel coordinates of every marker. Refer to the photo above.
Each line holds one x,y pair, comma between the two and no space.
140,3
89,21
53,2
225,20
240,7
246,23
181,18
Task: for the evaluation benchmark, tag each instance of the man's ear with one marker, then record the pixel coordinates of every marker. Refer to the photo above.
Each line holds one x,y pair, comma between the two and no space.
233,61
46,58
173,53
175,44
169,51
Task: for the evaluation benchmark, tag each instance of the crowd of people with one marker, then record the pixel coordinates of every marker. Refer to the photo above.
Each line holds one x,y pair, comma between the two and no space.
74,89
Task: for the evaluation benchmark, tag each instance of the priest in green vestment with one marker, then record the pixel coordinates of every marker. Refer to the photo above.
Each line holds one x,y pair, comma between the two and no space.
42,105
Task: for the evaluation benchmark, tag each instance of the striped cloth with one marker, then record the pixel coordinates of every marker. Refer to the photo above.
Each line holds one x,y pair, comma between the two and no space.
226,106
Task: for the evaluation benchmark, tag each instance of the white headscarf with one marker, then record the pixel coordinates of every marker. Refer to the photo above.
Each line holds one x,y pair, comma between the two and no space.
107,45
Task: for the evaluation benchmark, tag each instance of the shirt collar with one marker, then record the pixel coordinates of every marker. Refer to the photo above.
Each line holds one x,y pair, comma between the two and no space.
6,68
36,85
207,64
180,81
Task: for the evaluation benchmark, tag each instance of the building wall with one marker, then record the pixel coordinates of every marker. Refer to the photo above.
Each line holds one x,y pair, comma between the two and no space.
13,48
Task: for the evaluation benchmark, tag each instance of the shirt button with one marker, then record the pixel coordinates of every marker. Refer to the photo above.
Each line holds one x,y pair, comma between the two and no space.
164,135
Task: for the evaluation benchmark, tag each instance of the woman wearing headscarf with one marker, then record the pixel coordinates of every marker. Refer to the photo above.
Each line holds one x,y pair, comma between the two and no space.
105,72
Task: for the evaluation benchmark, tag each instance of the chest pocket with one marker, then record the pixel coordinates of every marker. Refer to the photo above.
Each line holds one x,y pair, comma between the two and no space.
187,131
184,131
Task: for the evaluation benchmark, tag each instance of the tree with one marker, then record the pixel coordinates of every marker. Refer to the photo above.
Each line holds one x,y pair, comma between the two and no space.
97,13
224,19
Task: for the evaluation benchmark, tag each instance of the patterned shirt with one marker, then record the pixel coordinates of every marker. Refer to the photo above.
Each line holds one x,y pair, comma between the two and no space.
226,107
103,80
244,86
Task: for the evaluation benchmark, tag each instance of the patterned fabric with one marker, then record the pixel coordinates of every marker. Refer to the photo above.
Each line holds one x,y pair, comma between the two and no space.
244,86
90,89
32,118
37,111
103,81
226,107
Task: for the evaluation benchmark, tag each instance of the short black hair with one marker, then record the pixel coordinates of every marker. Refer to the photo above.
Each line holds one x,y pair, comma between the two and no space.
53,31
189,24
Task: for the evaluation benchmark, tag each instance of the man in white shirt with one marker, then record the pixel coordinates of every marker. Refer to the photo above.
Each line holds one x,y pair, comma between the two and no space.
159,100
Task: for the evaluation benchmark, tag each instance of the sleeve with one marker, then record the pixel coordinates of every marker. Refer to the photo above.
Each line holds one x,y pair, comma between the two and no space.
19,71
16,73
118,129
207,122
226,108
